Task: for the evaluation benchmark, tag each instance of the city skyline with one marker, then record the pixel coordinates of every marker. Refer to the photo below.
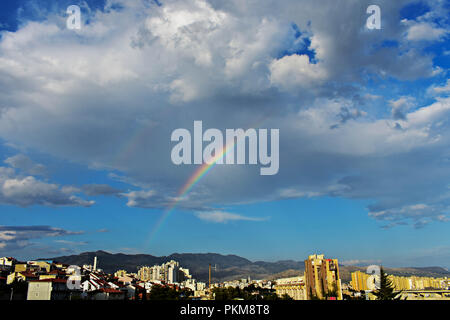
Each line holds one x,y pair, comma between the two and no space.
86,118
169,280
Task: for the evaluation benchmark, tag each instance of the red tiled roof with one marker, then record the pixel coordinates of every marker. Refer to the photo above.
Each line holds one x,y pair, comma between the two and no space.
119,284
110,290
28,274
57,272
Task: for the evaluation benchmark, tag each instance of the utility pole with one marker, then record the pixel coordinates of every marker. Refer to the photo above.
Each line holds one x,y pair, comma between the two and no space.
12,292
215,269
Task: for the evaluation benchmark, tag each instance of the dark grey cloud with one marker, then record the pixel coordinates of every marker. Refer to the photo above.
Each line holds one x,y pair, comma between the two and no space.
13,238
24,163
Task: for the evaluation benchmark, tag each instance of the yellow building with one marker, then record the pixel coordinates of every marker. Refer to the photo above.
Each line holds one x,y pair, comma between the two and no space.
120,273
145,273
47,276
6,262
322,278
417,283
360,281
42,265
293,287
11,277
20,267
20,276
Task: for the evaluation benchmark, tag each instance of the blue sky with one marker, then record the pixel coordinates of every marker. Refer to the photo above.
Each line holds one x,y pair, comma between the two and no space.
86,117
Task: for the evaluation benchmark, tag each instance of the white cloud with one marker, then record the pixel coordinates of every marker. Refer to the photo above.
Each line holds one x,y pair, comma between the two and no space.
224,217
292,193
139,198
440,90
25,190
295,71
28,191
360,262
425,31
7,235
400,107
72,243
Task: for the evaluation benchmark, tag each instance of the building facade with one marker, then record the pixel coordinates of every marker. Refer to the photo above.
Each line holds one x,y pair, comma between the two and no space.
322,278
293,287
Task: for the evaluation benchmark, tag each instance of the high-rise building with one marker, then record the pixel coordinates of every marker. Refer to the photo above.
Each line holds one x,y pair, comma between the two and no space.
169,272
359,281
172,274
144,273
322,278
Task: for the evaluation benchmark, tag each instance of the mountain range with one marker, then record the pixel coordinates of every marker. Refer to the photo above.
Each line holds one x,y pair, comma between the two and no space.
227,267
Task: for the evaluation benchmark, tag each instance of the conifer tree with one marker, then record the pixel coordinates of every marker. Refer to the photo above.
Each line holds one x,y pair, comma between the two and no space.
386,290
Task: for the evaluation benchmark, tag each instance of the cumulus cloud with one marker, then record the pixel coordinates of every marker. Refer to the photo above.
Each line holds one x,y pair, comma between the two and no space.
142,198
425,31
401,106
110,95
296,71
25,190
440,90
28,191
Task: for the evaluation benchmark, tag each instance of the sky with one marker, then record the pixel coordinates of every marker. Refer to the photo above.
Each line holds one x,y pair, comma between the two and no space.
86,117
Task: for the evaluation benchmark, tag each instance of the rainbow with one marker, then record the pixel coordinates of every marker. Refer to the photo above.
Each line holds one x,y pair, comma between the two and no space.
191,182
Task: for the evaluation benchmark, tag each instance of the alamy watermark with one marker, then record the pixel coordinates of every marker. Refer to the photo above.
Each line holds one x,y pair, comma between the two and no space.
74,280
222,151
373,281
73,22
374,20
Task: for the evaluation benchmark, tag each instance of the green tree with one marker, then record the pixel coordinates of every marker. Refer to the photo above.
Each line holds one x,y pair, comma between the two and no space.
386,290
159,292
248,293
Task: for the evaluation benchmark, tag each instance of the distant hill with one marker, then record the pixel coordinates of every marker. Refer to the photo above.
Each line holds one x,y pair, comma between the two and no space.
435,272
229,267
